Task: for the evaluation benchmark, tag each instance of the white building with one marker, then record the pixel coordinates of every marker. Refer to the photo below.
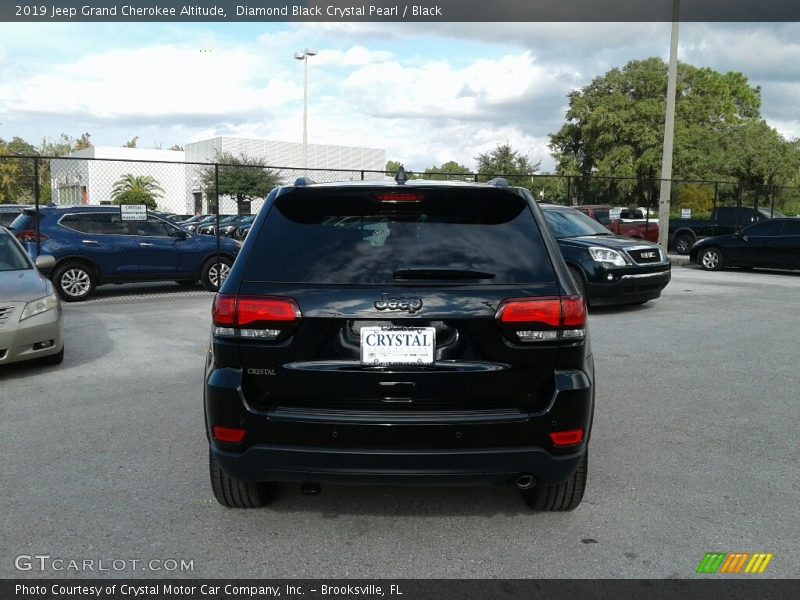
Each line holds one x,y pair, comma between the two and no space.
91,181
181,173
325,163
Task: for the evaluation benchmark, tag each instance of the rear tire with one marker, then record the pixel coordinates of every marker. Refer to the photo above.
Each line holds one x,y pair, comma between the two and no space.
233,493
560,496
53,359
711,259
683,244
74,281
214,272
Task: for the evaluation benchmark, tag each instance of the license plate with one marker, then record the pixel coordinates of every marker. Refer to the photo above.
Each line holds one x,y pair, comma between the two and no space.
397,345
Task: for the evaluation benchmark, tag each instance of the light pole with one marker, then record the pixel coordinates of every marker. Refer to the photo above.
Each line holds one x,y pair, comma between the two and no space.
303,55
669,129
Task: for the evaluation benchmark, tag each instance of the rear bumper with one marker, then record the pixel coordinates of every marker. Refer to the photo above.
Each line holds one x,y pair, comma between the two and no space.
492,466
453,450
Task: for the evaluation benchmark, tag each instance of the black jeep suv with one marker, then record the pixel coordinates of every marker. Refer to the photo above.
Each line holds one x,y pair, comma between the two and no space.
409,332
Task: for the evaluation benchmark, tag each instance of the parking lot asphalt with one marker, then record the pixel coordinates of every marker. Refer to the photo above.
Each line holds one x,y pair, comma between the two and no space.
694,450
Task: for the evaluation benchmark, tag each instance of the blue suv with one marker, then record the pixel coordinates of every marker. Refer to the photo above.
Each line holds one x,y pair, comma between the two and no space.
92,245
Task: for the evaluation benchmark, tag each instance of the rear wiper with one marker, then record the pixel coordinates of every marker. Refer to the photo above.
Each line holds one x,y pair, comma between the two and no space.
440,273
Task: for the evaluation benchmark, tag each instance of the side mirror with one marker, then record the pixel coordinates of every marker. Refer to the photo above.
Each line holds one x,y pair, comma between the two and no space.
744,238
45,262
179,234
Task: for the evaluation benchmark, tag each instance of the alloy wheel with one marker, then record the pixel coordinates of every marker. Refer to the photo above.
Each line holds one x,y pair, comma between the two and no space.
710,259
218,273
76,282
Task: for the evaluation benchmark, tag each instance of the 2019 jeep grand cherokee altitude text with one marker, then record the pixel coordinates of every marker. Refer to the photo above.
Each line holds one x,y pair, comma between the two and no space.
386,333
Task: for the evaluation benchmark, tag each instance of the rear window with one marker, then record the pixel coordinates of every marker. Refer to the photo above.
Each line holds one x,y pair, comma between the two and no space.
326,236
602,216
24,221
7,217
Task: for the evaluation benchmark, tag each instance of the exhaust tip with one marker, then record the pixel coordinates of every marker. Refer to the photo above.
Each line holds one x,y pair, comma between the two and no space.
525,481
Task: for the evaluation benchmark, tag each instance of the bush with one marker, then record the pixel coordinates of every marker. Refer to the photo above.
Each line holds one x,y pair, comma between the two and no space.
700,198
136,196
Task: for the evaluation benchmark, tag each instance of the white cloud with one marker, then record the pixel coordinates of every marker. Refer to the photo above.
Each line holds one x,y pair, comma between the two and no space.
151,82
765,53
353,57
789,129
427,93
437,89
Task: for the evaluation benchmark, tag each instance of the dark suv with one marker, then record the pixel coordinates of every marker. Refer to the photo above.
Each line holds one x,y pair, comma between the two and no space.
399,333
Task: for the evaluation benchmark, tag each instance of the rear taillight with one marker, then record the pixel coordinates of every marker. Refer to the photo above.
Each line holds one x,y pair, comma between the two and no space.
254,317
29,235
544,319
224,310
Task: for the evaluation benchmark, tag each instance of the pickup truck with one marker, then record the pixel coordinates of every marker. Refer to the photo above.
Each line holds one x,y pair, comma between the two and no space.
724,220
641,228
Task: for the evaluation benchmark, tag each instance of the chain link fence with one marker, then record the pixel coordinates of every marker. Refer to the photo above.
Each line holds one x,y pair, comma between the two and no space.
207,207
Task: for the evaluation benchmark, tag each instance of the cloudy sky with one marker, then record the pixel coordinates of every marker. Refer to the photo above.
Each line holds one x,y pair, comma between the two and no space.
426,93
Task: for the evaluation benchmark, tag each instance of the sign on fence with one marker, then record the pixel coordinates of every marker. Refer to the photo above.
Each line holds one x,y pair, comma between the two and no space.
686,213
133,212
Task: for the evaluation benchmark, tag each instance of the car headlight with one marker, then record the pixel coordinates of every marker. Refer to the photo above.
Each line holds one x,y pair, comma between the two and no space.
40,305
607,255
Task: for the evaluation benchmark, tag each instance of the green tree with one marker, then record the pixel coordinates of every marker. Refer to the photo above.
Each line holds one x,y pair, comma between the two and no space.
506,162
137,189
17,174
757,154
83,142
176,147
131,143
614,125
9,173
697,197
59,147
447,171
242,178
392,167
549,188
136,196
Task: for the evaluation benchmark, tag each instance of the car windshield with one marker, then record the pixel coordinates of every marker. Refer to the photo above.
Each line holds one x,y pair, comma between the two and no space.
566,223
11,257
